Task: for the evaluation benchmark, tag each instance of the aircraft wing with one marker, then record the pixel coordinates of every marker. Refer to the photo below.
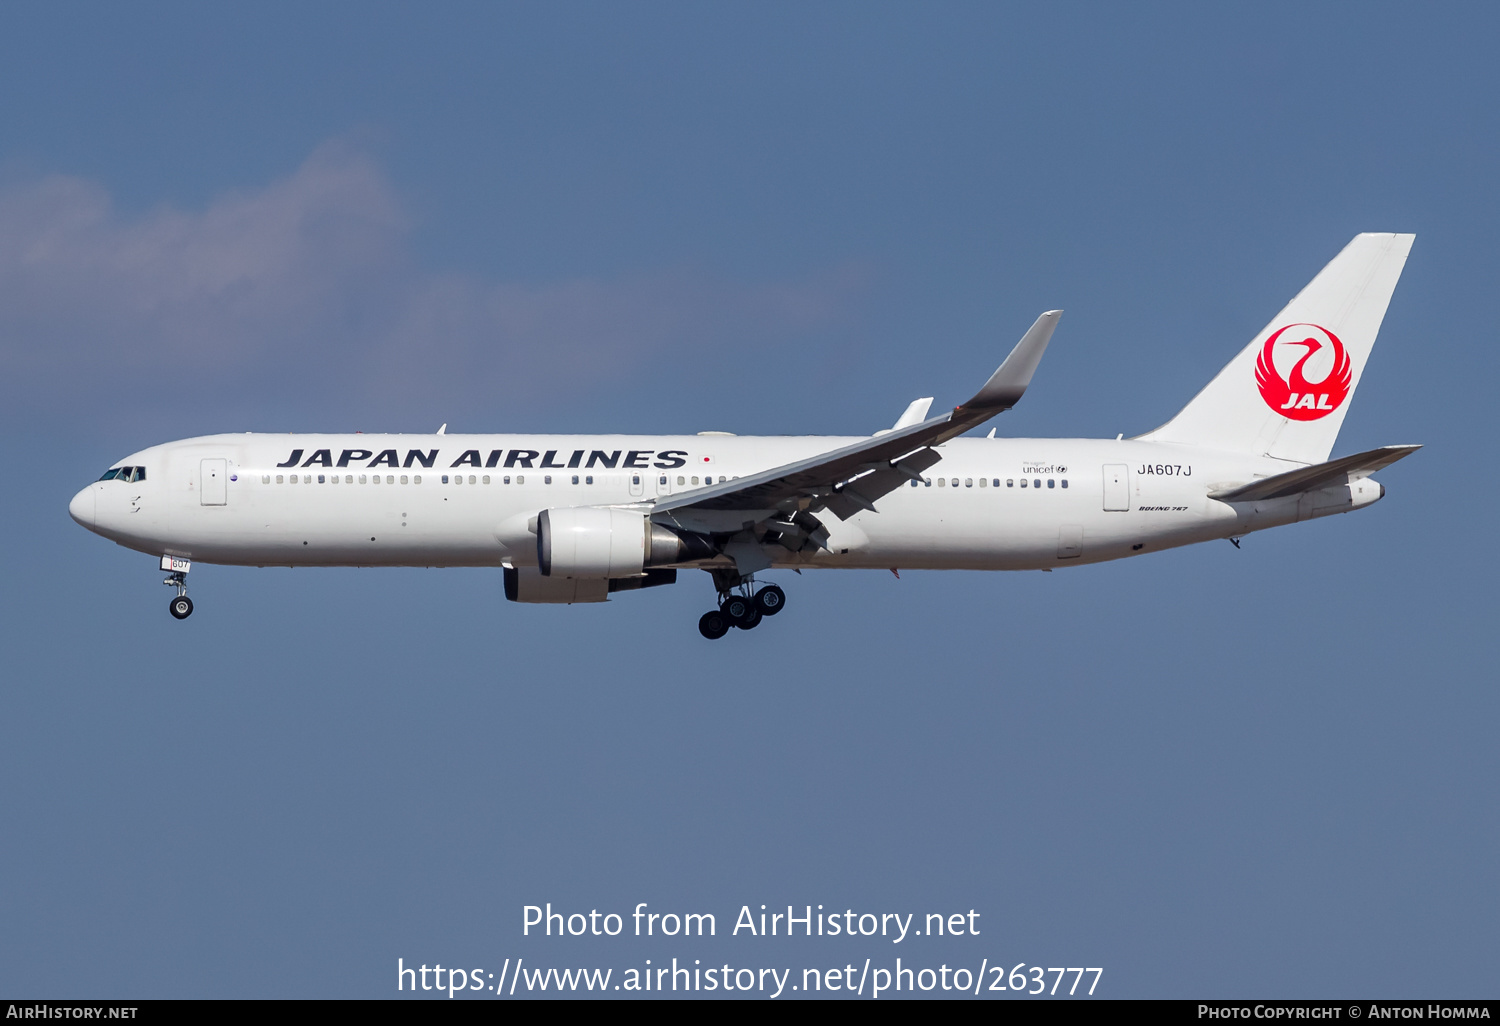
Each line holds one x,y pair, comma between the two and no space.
850,479
1316,476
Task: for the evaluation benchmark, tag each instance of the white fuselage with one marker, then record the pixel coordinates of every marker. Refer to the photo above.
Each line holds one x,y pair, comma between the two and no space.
471,500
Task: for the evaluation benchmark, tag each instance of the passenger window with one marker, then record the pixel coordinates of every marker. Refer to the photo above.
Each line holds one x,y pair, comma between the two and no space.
1010,482
291,479
1037,483
997,482
927,481
589,479
1023,482
679,479
445,479
362,479
915,482
265,479
984,482
575,478
547,479
661,480
486,479
695,479
417,479
1051,483
279,479
1065,482
390,479
471,479
322,479
505,479
942,482
968,482
520,479
404,479
349,479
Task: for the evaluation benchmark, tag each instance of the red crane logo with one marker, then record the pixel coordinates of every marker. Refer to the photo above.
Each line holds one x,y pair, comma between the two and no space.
1293,396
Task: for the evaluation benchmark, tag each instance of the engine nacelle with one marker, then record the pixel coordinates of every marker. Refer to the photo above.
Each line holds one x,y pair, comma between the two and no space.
591,541
600,542
526,584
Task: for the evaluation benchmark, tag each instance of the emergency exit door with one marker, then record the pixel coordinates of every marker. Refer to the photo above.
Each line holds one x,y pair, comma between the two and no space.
213,482
1116,487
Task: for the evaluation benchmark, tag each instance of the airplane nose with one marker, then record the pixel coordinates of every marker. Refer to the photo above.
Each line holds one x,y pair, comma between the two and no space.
81,508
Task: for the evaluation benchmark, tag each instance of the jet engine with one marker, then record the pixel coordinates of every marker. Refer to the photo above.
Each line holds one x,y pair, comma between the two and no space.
602,542
526,584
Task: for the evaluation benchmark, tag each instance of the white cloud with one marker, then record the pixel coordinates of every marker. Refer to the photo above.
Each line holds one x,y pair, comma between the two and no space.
309,282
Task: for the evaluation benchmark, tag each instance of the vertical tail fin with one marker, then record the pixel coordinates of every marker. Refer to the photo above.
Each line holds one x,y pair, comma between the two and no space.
1286,393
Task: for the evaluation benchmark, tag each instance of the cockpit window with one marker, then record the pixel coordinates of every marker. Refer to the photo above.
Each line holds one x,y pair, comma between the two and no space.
125,474
110,475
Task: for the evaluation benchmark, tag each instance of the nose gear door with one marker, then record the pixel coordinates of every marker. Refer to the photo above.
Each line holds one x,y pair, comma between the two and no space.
213,482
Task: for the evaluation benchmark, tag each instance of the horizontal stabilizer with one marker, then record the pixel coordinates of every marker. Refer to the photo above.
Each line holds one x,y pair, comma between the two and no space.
1308,478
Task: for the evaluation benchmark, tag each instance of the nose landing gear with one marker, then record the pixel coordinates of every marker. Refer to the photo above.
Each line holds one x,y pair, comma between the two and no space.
743,609
180,607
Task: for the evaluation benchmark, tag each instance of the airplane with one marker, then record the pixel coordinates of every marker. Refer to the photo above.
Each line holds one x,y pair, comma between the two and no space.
578,518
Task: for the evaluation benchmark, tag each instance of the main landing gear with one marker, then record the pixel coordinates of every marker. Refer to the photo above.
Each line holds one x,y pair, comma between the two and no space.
743,609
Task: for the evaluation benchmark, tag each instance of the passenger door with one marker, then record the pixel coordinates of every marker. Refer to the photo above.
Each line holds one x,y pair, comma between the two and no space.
213,482
1116,487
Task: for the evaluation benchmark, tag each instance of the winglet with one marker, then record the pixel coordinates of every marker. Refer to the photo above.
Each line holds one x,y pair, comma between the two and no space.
1009,382
915,413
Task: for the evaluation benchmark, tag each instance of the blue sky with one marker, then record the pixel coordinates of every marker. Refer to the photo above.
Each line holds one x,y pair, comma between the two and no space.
1266,771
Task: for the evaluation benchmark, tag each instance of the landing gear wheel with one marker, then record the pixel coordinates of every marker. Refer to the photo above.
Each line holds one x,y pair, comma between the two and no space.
737,608
181,607
713,625
750,621
770,600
